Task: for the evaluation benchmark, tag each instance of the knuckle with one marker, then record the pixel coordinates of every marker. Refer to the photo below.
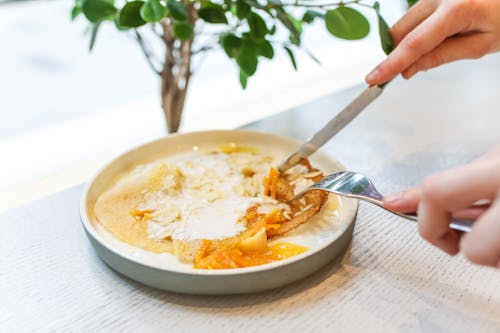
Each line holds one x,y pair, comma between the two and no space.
458,8
464,11
436,59
432,60
432,190
413,42
425,232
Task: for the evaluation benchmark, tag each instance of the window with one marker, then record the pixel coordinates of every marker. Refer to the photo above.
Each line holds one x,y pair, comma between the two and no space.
65,111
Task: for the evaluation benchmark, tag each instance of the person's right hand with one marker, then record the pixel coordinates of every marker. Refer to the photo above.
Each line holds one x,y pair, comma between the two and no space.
454,193
434,32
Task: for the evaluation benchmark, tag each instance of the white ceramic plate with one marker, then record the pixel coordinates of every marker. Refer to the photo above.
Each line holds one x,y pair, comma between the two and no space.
325,238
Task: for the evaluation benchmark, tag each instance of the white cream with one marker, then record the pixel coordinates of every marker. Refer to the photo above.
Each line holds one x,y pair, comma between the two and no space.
213,198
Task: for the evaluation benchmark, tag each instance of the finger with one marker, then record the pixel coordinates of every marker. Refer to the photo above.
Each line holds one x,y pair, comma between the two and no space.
482,245
413,17
471,213
433,226
403,202
448,192
425,37
470,46
407,202
462,187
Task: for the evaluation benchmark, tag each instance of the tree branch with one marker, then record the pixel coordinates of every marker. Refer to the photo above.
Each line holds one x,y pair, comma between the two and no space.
149,56
204,49
326,5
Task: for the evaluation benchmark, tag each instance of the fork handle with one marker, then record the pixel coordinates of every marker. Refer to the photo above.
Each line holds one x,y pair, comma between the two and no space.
464,225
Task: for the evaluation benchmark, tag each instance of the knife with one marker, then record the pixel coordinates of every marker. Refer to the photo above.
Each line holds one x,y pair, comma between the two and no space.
334,126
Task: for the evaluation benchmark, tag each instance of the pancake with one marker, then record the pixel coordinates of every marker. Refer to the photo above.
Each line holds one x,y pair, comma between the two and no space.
214,209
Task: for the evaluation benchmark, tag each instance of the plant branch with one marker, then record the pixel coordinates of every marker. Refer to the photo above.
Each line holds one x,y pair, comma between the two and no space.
204,49
149,56
326,5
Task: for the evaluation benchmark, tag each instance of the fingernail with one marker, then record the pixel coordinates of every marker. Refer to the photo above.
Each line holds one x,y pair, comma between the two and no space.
372,76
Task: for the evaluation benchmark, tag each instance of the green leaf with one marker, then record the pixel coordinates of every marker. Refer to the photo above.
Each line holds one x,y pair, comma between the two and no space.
183,31
118,26
178,10
296,23
247,58
243,79
77,9
242,9
347,23
292,57
411,2
258,28
231,44
272,31
98,10
75,12
294,40
130,15
212,14
265,49
153,11
310,15
286,20
383,31
93,34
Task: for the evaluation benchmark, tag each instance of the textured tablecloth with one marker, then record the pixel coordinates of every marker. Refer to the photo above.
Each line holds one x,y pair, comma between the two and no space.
388,280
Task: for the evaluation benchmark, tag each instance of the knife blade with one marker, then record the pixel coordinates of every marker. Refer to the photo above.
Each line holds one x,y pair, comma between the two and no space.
334,126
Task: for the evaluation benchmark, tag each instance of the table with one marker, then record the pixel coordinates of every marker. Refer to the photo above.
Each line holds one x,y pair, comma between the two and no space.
388,279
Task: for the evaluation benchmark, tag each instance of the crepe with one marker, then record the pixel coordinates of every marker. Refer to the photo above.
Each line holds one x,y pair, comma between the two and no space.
146,208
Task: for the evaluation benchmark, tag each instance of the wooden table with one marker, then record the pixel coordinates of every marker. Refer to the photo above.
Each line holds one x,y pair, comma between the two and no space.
388,280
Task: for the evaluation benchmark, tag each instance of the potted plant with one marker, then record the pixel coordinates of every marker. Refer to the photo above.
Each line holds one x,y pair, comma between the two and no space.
245,29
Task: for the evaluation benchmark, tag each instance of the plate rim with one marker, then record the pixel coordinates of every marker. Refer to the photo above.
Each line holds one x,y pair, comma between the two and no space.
91,230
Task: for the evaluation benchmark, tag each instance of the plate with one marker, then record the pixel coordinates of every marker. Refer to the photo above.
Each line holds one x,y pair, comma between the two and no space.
326,238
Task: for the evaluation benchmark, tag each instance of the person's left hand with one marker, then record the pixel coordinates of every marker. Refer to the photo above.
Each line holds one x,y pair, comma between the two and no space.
454,193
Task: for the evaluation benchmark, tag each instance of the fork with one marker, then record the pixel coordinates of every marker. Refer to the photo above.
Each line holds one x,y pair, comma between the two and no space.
355,185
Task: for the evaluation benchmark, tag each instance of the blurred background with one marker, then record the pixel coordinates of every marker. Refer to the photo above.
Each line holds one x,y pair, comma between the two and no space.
65,111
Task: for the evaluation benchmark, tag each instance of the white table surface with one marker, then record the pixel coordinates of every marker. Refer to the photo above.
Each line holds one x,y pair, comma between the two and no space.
389,280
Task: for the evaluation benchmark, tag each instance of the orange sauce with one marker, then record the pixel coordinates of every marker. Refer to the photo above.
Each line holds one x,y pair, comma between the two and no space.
282,251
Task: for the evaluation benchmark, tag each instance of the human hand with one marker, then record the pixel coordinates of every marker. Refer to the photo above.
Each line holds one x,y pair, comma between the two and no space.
454,193
434,32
